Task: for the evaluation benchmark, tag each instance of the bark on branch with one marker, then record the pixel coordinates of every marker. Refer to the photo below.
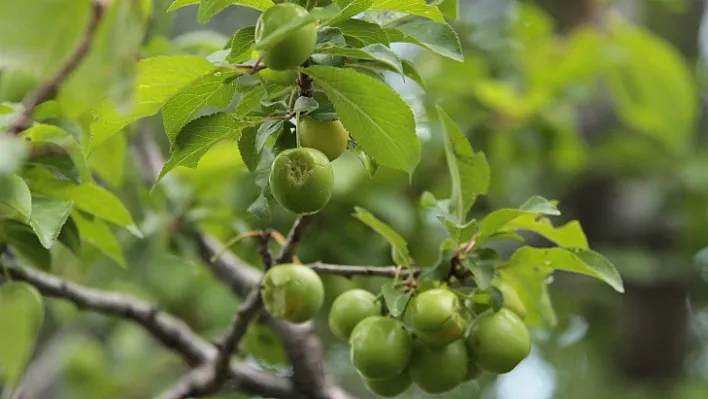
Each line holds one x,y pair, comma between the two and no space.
169,330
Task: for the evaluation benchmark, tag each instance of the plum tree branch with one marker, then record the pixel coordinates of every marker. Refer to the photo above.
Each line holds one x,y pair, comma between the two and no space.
98,9
364,271
295,236
170,331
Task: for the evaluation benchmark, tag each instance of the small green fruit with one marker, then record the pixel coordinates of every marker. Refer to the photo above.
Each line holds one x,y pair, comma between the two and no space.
349,309
473,371
438,370
499,341
301,180
330,137
284,78
390,387
295,48
381,347
435,317
292,292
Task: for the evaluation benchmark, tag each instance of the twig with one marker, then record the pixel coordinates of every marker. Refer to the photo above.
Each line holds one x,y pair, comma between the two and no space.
248,310
46,90
297,232
367,271
263,249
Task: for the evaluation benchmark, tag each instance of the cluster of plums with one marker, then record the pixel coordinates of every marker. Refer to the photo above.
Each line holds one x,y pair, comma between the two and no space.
301,179
440,343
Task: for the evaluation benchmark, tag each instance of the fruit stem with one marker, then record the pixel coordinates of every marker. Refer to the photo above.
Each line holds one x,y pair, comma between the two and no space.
297,129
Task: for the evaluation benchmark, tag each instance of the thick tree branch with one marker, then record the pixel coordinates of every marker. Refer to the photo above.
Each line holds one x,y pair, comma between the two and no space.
170,331
45,91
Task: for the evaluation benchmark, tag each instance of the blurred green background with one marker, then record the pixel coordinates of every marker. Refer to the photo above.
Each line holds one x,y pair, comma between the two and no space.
596,103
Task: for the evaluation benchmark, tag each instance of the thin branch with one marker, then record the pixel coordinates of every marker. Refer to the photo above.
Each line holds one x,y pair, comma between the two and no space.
248,310
264,251
297,232
46,90
366,271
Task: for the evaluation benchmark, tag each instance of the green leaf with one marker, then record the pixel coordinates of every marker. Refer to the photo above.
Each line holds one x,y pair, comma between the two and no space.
199,135
496,220
13,154
415,7
400,247
97,233
438,38
305,104
267,129
349,8
247,147
69,236
396,299
449,8
482,270
242,43
109,68
250,100
286,29
181,3
375,52
159,78
469,171
59,164
530,284
209,8
592,264
570,235
410,71
582,261
15,198
653,87
260,208
25,243
87,197
365,33
375,115
21,317
48,218
39,42
50,134
213,90
108,160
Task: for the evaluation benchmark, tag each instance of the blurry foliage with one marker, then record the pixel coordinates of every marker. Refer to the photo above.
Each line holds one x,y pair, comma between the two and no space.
550,112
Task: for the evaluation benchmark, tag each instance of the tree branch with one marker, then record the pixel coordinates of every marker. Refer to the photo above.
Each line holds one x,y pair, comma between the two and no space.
46,90
247,311
297,232
170,331
366,271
